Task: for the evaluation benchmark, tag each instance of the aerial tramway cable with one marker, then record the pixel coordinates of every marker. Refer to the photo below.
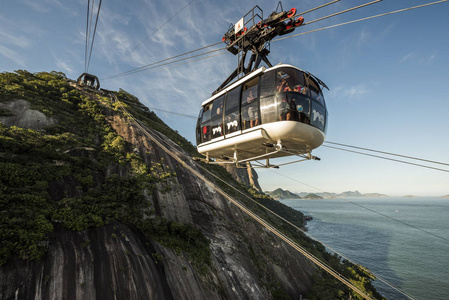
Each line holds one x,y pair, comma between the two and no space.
89,43
359,20
316,8
87,36
166,62
387,158
286,239
93,36
150,35
389,153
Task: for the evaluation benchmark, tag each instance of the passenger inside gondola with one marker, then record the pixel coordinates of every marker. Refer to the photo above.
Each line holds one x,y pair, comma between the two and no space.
250,110
283,86
284,109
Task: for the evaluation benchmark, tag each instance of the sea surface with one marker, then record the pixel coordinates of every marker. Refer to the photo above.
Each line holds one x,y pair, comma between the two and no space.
404,241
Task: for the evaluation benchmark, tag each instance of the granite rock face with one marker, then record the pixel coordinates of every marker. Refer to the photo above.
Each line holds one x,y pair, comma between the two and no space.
24,116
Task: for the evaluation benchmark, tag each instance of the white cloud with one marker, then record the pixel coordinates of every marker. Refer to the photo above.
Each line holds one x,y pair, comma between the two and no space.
15,40
364,38
12,55
430,58
408,57
43,6
66,68
355,92
414,58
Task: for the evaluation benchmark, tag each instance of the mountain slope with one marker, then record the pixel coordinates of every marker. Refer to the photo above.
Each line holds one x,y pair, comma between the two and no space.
93,208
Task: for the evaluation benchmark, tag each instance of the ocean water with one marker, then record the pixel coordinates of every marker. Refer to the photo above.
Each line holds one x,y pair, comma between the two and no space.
405,241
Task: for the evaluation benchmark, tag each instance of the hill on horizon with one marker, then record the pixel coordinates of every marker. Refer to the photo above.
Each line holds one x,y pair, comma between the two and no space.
347,194
282,194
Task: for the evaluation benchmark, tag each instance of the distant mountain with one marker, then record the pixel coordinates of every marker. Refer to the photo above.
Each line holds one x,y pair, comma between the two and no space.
347,194
282,194
350,194
313,196
374,195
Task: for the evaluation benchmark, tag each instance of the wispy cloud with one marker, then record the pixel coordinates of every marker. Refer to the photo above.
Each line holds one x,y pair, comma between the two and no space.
15,40
66,67
415,58
12,55
365,38
407,57
43,6
354,92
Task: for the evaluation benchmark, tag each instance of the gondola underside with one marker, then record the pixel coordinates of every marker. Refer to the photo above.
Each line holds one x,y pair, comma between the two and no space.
273,140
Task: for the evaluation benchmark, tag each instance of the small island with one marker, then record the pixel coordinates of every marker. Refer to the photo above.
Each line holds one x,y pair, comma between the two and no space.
279,194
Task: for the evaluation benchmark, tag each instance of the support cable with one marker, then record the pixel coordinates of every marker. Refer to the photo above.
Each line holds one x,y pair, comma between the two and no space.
386,158
174,113
159,63
359,20
159,27
89,31
87,35
93,38
343,11
316,8
388,153
182,62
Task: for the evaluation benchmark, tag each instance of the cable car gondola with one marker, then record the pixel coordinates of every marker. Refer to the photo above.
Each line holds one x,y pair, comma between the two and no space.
88,80
271,112
274,112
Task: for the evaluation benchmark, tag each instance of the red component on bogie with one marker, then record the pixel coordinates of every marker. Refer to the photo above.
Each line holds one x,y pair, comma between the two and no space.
299,21
291,12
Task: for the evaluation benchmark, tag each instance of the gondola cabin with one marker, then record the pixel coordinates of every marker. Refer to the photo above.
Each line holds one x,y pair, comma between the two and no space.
271,112
88,80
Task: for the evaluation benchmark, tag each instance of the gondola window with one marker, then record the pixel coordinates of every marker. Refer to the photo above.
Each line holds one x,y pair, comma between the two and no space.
232,111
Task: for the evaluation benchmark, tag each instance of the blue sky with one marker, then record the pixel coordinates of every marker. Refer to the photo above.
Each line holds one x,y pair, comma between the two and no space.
387,76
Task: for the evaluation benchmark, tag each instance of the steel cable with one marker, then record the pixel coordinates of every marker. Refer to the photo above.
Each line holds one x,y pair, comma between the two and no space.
93,38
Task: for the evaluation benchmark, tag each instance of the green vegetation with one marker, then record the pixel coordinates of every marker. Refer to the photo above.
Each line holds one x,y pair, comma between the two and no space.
68,173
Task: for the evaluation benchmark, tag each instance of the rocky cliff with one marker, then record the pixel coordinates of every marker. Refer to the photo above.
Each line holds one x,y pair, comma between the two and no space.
94,209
